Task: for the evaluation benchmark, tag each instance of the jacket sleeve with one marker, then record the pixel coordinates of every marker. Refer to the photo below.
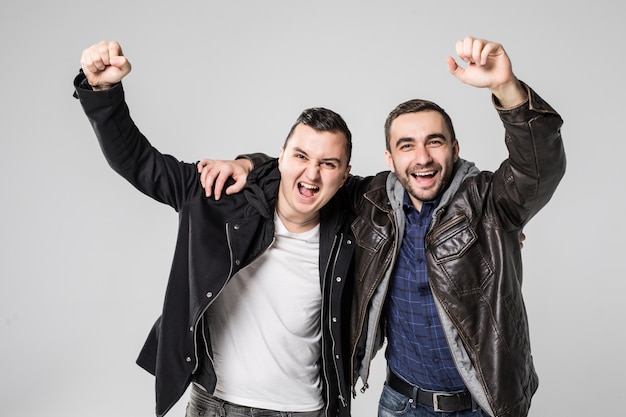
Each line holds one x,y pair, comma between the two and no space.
351,193
526,181
128,152
257,159
353,190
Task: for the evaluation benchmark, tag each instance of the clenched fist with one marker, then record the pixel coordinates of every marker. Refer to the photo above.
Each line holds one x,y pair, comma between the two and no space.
104,64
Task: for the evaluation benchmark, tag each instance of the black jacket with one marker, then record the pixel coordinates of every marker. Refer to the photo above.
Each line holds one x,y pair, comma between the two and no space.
215,240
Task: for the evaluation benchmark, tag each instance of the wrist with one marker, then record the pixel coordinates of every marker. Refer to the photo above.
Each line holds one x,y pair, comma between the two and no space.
247,163
100,87
510,94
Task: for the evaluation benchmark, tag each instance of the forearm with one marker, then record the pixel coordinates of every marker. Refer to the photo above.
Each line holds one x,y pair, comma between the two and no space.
256,159
510,95
536,160
129,153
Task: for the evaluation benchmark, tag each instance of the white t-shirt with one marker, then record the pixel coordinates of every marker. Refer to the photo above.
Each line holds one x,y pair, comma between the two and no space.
265,328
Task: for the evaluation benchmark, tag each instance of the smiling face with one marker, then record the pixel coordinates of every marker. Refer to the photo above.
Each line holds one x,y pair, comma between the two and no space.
313,166
422,153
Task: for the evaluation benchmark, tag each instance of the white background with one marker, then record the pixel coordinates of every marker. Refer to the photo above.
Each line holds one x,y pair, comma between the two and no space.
85,257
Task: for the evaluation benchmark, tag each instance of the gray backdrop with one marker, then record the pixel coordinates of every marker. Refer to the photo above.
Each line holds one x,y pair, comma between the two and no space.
85,257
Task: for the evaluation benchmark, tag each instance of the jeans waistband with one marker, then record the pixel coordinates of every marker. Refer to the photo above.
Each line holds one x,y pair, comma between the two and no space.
202,400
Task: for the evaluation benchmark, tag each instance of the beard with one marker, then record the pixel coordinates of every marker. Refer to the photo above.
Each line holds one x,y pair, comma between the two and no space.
430,193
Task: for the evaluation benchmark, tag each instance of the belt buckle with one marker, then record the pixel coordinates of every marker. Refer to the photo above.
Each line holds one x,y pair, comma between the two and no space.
436,396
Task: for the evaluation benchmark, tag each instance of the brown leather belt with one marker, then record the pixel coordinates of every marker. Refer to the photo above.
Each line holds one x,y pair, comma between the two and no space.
442,402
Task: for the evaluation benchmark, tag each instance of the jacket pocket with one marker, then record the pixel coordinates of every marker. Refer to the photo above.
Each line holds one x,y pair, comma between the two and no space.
369,243
456,252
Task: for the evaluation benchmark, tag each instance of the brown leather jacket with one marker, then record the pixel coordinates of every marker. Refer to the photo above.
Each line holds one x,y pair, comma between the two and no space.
474,258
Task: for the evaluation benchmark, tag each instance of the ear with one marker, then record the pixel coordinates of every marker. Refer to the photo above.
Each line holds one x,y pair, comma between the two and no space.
345,175
389,160
455,150
281,153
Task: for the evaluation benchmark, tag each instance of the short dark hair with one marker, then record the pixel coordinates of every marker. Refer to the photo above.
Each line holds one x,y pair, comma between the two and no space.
324,120
416,106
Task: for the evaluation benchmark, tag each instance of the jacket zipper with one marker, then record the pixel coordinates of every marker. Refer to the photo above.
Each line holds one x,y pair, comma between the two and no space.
334,267
362,314
324,360
452,222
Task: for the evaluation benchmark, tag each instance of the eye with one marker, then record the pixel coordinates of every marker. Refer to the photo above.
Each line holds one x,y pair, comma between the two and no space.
435,142
329,165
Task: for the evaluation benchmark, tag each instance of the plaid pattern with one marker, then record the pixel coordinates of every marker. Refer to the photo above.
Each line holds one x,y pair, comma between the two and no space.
417,349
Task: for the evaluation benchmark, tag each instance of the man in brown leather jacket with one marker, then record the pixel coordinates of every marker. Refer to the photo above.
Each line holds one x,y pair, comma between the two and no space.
449,292
438,254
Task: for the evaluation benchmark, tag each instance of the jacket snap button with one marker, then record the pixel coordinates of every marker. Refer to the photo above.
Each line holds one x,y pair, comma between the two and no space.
349,242
188,359
209,294
236,227
338,279
237,262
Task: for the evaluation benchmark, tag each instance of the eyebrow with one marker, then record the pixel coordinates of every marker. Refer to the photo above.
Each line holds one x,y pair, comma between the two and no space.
302,151
409,139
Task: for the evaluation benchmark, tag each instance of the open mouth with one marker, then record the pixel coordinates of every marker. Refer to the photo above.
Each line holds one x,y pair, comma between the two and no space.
307,190
424,175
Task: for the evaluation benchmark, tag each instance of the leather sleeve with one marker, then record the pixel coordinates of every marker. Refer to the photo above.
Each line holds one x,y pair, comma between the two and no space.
528,178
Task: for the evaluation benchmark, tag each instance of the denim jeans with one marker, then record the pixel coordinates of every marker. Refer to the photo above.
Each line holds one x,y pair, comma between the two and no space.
202,404
394,404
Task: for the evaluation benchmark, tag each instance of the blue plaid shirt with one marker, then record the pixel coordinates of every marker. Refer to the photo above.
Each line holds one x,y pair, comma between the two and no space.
416,346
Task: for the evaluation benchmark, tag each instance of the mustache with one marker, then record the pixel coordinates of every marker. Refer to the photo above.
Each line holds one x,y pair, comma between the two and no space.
422,168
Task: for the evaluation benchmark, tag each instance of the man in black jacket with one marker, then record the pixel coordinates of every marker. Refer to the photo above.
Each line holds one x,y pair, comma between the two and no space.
252,313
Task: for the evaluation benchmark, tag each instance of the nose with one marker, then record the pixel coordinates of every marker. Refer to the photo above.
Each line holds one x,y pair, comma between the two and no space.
313,171
422,155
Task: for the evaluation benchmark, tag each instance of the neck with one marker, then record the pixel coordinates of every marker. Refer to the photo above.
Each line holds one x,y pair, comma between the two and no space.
298,225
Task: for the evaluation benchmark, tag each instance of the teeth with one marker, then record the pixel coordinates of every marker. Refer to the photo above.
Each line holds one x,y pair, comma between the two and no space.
308,187
423,174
